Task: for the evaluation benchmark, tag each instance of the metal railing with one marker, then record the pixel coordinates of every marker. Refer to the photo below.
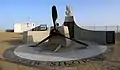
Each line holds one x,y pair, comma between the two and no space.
103,28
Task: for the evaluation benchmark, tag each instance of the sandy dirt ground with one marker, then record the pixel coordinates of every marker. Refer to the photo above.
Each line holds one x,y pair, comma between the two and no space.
8,39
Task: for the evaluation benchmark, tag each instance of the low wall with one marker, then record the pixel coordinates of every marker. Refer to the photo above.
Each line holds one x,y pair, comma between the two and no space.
37,36
34,36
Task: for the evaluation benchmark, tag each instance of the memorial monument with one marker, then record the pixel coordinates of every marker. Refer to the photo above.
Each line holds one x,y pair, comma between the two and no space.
56,49
55,33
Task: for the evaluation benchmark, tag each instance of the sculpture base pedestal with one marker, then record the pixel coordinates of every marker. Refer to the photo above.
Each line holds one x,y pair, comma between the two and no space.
57,42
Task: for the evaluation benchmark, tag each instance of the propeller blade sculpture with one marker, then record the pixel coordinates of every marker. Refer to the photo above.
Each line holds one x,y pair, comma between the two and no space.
55,31
54,15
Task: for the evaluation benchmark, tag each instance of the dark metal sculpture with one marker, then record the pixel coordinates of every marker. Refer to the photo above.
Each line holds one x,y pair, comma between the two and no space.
55,32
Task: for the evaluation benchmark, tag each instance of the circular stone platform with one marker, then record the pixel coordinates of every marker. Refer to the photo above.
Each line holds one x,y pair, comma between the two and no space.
37,57
70,53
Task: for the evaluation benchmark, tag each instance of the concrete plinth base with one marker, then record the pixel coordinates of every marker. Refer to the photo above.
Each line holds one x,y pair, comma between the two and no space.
58,41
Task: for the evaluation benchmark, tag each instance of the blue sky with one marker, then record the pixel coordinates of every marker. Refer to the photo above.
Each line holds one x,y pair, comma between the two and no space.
86,12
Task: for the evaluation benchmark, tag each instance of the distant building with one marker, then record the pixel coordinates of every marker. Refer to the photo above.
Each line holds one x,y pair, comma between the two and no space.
21,27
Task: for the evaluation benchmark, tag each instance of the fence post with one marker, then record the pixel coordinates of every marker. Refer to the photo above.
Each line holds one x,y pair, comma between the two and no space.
106,27
117,28
94,27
